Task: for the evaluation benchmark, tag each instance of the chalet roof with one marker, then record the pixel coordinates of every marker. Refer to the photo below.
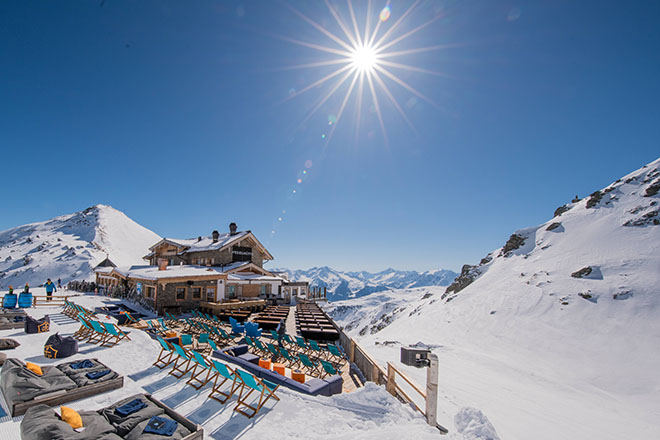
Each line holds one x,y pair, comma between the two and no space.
207,244
152,272
107,262
251,277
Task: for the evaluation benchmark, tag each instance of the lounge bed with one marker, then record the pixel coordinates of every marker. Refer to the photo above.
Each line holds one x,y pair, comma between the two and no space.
59,384
41,422
12,319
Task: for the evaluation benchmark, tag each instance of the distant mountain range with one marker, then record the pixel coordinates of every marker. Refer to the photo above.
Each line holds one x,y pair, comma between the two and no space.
69,246
345,285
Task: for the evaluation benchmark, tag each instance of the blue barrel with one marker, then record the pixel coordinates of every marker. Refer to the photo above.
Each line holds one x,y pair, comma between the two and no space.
24,300
9,301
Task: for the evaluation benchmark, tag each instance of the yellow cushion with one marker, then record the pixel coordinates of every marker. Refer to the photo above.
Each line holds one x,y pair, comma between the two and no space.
71,417
36,369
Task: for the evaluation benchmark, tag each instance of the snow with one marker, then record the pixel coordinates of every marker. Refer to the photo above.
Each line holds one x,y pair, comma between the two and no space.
540,353
368,413
153,273
69,246
206,243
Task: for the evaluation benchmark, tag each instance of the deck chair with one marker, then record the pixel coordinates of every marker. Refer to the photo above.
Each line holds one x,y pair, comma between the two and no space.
203,365
250,342
249,385
335,354
161,321
99,334
115,334
166,355
156,329
287,340
311,366
273,350
315,349
302,346
274,335
202,343
259,345
292,361
85,330
226,337
236,328
328,369
181,363
186,340
222,374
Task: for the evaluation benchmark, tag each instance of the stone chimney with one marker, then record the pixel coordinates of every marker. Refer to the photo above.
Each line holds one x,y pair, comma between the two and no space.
199,238
232,228
216,236
162,264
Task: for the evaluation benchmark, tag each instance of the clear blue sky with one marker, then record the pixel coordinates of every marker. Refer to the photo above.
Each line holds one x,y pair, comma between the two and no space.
175,113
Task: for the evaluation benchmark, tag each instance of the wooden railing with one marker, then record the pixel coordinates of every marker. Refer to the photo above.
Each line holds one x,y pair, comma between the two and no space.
375,373
42,300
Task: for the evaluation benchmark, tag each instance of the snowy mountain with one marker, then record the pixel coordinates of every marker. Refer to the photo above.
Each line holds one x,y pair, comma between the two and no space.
68,247
554,335
344,285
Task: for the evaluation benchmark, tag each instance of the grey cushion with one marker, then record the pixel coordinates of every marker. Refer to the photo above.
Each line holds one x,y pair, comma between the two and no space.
125,424
19,384
82,380
42,423
136,433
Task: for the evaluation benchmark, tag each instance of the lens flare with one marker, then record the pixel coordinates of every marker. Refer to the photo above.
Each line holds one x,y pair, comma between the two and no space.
364,58
385,13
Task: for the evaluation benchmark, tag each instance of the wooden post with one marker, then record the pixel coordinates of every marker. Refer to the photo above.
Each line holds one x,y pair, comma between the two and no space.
351,351
390,386
432,391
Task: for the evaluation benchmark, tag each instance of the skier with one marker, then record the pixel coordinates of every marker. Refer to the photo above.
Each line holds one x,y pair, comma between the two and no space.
50,288
59,283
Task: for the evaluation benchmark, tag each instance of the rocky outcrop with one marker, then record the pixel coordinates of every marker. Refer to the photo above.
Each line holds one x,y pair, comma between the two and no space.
514,242
553,226
584,272
468,275
650,218
594,199
562,209
653,189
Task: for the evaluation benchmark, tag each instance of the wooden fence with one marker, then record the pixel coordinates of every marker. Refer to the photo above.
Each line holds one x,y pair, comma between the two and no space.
42,300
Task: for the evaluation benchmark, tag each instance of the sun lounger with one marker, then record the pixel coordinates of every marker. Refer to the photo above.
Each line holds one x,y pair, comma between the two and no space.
222,374
199,362
182,363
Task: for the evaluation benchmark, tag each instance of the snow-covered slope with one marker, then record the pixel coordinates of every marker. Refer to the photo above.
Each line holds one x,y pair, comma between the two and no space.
554,335
69,246
344,285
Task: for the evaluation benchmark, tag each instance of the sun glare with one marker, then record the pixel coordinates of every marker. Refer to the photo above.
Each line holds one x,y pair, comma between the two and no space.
364,58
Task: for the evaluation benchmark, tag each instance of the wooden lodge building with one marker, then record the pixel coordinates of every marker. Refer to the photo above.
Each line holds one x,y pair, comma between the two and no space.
183,273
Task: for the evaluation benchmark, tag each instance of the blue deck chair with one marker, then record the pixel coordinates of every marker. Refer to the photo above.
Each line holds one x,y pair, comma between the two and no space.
161,321
181,363
236,328
114,334
222,374
292,361
166,355
328,369
302,346
312,367
315,349
85,330
186,340
335,353
99,334
249,385
252,329
203,365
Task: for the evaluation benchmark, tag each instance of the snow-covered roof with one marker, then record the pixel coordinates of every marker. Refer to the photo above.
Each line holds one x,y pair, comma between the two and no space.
152,272
106,269
251,277
207,244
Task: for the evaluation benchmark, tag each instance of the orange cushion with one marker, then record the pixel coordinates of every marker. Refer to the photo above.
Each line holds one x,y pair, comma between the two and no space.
71,417
36,369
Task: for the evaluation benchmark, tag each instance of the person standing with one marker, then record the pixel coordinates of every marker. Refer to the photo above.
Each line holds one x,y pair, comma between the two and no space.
59,283
27,288
50,288
11,290
281,331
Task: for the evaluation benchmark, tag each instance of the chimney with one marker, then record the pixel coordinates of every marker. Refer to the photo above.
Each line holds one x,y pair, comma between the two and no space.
232,228
199,238
216,236
162,264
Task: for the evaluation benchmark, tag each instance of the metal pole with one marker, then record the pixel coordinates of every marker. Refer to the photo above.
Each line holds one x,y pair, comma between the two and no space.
432,391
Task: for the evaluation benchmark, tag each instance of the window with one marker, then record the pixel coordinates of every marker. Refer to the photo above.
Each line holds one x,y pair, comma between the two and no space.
180,293
196,292
231,291
265,288
149,292
212,261
241,253
210,294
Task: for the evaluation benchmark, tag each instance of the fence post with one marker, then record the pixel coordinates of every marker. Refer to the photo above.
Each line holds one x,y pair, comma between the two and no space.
432,391
390,386
351,351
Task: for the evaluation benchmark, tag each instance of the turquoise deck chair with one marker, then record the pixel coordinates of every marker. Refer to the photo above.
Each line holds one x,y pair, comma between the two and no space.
161,321
335,353
100,334
300,342
166,355
249,385
309,364
186,340
328,369
222,374
201,363
114,334
181,363
293,361
315,348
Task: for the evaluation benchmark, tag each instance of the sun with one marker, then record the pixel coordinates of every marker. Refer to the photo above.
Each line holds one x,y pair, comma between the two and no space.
364,58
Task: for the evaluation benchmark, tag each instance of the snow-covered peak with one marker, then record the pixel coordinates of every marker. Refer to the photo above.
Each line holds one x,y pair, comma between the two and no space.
69,246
